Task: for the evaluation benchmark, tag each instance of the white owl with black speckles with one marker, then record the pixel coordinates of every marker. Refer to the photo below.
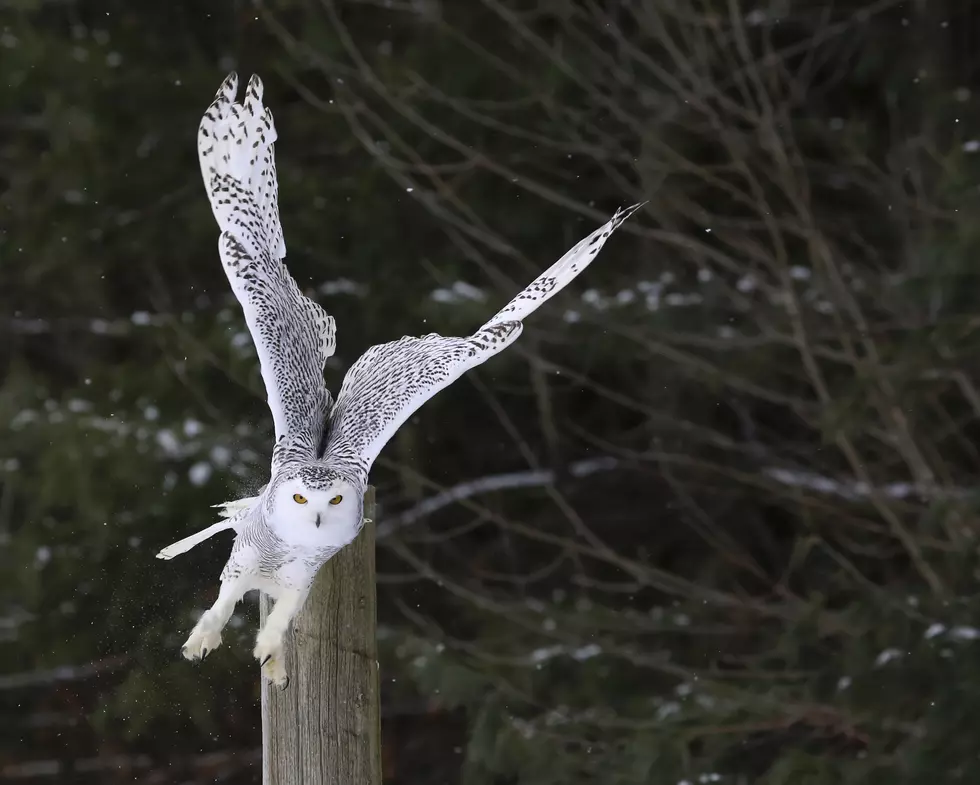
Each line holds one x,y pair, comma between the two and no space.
312,505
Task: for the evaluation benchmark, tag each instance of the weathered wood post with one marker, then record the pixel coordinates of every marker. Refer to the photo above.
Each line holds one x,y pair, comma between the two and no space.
325,728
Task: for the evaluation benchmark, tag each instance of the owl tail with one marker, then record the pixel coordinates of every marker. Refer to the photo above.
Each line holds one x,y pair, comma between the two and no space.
184,545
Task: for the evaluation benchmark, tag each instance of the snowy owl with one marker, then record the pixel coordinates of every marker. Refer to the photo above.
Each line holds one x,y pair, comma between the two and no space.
312,506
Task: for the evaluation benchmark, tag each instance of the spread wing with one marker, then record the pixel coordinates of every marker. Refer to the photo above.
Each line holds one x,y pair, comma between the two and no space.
293,335
391,381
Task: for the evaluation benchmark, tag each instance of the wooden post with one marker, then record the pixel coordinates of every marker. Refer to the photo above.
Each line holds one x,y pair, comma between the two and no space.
325,727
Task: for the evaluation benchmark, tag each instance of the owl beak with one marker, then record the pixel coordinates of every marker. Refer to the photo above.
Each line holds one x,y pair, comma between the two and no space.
318,520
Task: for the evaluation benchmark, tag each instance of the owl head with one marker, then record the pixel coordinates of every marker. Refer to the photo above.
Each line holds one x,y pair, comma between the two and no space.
316,506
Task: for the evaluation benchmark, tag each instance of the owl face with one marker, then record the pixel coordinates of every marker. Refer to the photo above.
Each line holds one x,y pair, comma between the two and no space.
326,515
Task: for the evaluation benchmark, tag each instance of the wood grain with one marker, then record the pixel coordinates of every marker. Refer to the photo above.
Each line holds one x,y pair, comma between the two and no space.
325,727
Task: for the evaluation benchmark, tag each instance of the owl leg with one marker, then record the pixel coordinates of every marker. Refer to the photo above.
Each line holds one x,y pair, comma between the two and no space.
206,635
269,642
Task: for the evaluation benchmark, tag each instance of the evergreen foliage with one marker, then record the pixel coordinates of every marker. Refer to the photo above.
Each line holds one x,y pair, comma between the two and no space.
713,520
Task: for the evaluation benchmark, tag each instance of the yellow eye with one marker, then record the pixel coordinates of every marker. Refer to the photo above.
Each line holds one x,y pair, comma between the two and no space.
299,498
337,499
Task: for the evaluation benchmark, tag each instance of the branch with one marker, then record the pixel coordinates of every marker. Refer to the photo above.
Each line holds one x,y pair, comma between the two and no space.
494,482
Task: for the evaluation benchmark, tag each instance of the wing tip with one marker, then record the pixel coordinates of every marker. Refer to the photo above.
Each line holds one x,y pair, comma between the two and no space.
229,86
622,213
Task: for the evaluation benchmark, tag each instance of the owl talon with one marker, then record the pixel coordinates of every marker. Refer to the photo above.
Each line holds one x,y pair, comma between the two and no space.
269,653
201,642
274,671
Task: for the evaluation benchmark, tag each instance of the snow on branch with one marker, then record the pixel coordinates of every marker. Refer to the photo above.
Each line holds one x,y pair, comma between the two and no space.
856,489
843,488
493,482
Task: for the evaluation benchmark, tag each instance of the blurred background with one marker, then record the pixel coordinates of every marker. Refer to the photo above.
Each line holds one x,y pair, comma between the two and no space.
711,520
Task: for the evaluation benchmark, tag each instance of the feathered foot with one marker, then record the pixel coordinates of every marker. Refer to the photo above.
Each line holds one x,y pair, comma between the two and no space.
206,635
269,642
271,656
203,640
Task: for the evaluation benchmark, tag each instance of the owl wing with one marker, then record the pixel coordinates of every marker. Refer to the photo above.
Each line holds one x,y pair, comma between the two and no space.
391,381
293,335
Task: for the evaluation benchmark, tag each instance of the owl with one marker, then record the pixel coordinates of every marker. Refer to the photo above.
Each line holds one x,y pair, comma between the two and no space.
324,446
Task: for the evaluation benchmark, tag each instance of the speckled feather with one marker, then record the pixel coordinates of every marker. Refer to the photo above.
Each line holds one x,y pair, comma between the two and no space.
292,334
391,381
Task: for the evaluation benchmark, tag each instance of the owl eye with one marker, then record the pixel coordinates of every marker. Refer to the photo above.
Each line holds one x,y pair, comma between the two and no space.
299,498
337,499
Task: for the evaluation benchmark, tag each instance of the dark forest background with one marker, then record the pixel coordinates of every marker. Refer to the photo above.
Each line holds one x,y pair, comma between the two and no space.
712,520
